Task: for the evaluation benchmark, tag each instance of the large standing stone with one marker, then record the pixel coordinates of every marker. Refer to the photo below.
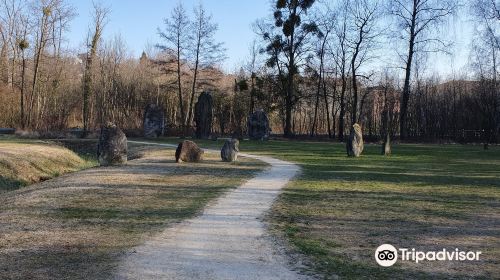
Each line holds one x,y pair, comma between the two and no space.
154,121
258,126
229,151
203,115
188,151
112,146
355,143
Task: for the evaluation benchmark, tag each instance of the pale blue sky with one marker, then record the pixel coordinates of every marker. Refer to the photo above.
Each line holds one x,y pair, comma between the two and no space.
137,21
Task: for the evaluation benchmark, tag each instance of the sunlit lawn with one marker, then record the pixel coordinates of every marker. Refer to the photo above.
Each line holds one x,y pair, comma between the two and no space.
426,197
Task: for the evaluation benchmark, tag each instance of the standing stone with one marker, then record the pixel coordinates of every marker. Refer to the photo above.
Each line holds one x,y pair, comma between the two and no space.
229,151
112,146
203,115
386,146
258,126
154,121
355,143
188,151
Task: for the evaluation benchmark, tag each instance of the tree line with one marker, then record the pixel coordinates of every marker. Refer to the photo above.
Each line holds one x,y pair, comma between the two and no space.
316,67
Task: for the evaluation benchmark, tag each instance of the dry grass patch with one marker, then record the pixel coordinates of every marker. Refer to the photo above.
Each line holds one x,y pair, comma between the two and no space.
77,226
34,161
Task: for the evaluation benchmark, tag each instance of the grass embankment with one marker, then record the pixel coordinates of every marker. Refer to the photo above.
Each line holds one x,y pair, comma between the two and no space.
78,226
426,197
23,162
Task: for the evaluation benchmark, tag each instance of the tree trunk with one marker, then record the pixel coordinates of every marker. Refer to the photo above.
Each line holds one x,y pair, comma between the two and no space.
354,112
22,91
4,63
342,108
327,109
179,83
290,88
316,106
252,94
38,54
318,92
288,99
87,87
386,147
406,88
195,77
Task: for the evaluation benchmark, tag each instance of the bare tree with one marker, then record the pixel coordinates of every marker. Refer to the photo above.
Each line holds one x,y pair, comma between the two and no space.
43,22
364,15
4,64
387,113
39,24
176,37
10,13
205,50
485,51
100,15
340,52
60,18
487,37
252,67
418,19
23,45
326,24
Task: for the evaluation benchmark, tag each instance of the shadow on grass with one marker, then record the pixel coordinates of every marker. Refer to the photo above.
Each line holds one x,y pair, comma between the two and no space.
9,184
59,262
482,176
86,148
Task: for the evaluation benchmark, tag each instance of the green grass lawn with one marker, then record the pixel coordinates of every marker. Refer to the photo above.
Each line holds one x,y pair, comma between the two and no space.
428,197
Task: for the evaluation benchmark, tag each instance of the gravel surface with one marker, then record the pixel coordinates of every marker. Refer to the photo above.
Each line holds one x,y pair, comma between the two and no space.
228,241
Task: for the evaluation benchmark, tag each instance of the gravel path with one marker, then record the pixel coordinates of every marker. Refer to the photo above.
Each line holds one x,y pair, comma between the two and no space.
228,241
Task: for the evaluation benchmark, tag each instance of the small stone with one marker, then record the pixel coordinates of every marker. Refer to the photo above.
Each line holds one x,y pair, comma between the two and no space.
188,151
229,151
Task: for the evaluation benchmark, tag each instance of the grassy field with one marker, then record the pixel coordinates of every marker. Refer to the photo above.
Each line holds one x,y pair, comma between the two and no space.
77,226
23,162
426,197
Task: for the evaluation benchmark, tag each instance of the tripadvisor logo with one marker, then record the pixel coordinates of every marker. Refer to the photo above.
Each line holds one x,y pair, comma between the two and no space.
387,255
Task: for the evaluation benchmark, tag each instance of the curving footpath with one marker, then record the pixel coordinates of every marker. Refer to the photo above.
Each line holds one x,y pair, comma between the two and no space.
228,241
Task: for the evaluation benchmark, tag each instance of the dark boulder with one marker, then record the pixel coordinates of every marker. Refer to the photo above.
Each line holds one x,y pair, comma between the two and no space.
229,151
355,143
188,151
154,121
112,146
258,126
203,115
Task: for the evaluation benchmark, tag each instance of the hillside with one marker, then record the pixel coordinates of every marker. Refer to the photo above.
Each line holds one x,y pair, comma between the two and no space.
30,162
